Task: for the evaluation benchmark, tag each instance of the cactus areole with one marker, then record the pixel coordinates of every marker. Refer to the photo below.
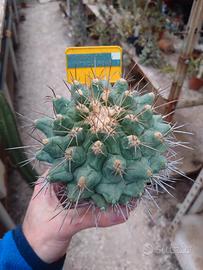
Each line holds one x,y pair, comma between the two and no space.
105,144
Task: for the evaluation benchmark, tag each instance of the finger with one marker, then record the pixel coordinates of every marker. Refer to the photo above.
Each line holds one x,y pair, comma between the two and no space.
111,217
40,182
44,191
100,218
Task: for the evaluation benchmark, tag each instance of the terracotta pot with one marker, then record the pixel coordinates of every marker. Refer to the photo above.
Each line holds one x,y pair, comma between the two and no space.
166,45
24,4
161,34
196,54
195,83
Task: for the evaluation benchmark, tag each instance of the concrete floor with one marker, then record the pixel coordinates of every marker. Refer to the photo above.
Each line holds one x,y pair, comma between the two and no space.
140,244
44,37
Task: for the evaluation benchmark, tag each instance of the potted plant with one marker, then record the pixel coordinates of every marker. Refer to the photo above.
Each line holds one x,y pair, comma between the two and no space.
139,45
195,71
151,55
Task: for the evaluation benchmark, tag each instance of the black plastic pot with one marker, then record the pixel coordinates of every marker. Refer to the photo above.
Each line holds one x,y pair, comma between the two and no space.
132,39
138,49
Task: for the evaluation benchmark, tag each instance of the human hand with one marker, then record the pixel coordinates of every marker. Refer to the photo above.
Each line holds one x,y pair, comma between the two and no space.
49,237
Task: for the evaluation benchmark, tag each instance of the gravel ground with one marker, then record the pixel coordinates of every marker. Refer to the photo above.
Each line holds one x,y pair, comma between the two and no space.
140,243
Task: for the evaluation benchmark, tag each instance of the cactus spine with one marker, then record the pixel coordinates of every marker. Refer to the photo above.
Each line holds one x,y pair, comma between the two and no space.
105,145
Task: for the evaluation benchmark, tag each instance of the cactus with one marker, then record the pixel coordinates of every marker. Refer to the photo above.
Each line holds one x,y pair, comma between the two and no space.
10,139
106,144
151,55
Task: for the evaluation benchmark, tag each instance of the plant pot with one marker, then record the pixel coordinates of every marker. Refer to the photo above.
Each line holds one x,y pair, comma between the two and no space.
94,36
161,34
166,45
138,49
195,83
131,39
24,4
196,54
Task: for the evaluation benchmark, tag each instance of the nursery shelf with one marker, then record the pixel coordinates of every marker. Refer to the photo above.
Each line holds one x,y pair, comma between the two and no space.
159,80
93,9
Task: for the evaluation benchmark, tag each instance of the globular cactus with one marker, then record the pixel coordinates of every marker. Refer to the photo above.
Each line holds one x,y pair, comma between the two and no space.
105,145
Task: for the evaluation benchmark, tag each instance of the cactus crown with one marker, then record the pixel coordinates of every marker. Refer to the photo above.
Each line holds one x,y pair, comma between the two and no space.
105,144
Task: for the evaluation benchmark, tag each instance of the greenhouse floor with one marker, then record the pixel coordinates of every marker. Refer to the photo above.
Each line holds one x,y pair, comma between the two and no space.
141,243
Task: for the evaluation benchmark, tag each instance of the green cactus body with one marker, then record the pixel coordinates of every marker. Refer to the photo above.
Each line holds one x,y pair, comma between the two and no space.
61,105
63,175
46,125
62,125
105,145
96,155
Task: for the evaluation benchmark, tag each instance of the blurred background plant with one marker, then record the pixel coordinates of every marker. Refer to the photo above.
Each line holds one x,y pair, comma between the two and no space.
195,72
79,22
102,34
194,66
151,55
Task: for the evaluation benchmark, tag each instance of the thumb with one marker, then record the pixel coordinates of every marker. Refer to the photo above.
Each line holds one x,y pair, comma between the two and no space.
44,191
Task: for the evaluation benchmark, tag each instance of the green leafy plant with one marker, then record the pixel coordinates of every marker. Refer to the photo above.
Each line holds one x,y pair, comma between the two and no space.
105,145
168,68
195,71
195,67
